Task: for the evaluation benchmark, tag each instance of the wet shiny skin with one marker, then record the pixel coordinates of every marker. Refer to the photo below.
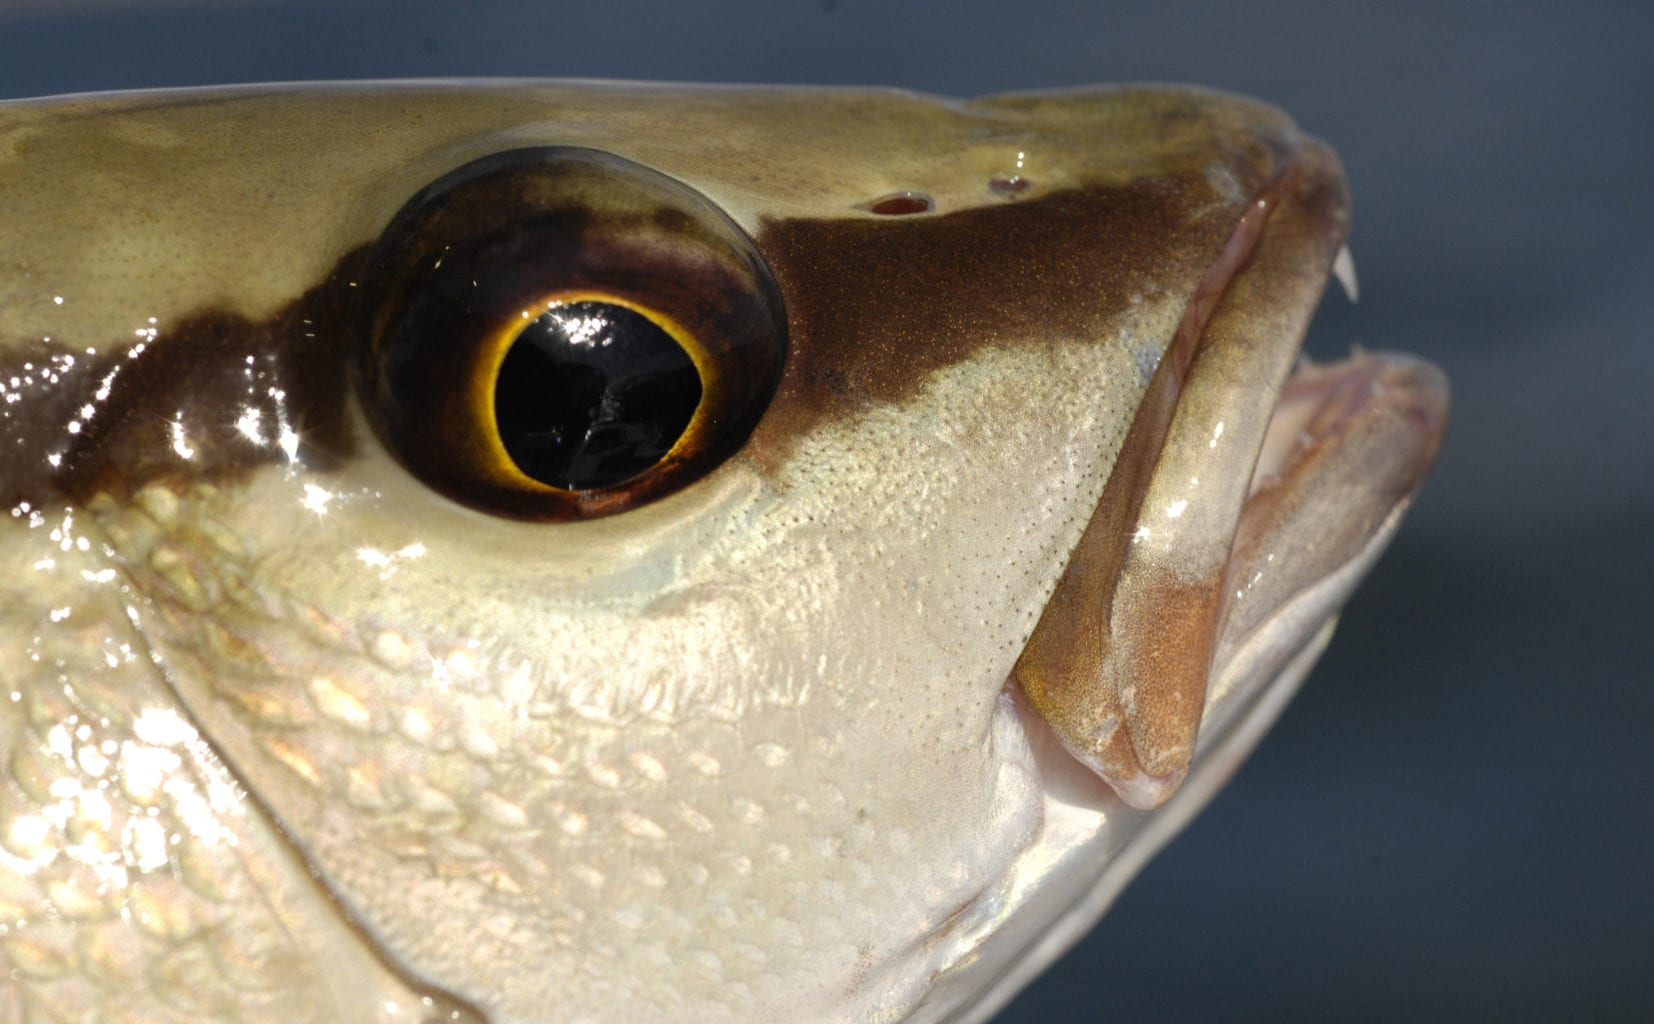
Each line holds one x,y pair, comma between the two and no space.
292,737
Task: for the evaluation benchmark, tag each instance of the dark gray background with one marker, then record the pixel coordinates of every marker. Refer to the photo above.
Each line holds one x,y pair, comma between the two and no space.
1455,820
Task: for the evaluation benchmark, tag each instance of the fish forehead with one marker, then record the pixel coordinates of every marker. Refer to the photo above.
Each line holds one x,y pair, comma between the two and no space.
739,750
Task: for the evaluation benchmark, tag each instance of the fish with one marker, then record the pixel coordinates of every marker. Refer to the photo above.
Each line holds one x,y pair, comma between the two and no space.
536,551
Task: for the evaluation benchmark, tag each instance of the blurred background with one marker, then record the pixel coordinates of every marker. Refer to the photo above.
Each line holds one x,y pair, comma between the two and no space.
1455,820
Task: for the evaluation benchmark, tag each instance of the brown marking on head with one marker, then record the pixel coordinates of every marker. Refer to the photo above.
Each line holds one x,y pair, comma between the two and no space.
205,373
876,306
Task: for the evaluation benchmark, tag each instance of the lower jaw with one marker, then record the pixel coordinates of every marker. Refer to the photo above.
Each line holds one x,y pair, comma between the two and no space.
1347,447
1091,844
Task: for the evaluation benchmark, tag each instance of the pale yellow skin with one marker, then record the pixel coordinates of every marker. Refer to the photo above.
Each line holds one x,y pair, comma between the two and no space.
305,744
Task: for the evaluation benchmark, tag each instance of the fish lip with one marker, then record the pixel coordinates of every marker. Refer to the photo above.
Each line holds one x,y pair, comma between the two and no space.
1359,436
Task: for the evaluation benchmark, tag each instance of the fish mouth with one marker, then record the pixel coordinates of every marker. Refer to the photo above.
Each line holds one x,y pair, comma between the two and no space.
1248,477
1253,492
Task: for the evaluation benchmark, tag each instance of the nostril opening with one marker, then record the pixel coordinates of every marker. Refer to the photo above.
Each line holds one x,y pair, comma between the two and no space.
901,204
1009,185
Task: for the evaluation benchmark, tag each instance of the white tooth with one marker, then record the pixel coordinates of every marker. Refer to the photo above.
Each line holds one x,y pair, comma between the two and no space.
1343,268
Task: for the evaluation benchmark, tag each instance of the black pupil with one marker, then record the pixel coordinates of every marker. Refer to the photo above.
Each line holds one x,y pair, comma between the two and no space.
592,394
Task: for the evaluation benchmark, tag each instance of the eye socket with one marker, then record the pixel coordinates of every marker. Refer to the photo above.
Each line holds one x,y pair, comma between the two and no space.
558,333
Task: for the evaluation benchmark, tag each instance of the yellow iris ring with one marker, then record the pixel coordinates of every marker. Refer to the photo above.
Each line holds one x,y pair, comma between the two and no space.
500,466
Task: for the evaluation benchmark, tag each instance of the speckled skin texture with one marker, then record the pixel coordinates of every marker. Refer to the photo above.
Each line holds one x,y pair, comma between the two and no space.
292,738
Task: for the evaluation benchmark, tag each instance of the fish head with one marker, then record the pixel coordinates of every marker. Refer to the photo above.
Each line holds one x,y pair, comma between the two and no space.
545,552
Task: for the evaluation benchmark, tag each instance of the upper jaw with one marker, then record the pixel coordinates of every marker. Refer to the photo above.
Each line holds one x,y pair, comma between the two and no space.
1278,515
1119,663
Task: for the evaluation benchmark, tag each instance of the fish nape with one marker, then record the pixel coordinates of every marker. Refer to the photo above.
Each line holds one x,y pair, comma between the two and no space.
537,552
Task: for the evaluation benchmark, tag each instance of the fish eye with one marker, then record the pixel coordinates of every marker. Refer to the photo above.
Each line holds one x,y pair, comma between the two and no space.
558,333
